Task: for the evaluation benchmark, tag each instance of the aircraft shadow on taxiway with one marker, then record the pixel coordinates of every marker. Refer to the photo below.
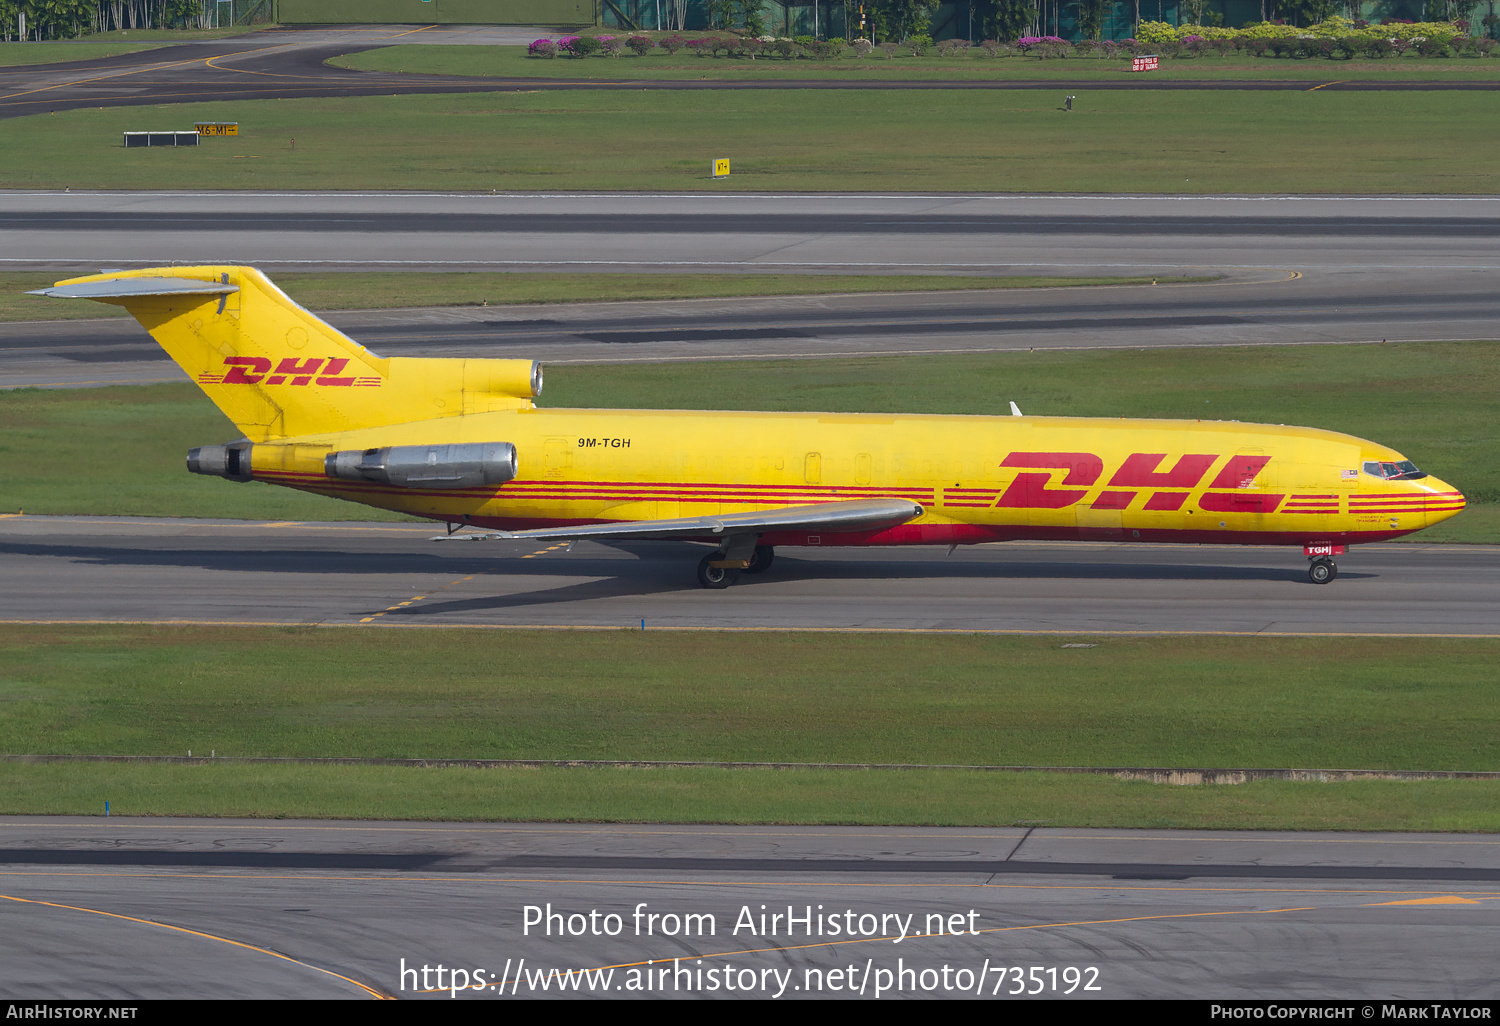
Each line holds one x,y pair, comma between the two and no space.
674,562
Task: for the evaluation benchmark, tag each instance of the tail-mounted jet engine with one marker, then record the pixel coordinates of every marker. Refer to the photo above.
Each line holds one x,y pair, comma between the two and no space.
467,465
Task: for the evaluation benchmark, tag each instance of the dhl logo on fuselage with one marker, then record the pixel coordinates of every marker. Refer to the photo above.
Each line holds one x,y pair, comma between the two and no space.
1170,487
256,370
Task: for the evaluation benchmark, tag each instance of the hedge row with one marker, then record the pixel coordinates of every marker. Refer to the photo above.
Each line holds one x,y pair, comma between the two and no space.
1157,32
1369,44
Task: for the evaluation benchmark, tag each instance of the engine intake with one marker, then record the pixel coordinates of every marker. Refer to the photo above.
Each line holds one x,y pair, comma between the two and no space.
468,465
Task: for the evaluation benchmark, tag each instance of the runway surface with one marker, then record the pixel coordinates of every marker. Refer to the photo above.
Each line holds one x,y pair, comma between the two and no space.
289,63
84,569
163,908
1290,270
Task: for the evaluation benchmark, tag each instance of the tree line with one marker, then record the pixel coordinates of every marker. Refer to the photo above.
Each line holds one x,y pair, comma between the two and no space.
65,19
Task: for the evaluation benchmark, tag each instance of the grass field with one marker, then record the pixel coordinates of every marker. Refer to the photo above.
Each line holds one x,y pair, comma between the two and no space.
1200,702
1438,403
512,62
367,291
995,141
894,797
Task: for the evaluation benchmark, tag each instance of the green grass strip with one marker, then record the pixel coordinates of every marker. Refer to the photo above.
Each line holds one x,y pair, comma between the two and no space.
872,797
965,699
1189,141
1190,701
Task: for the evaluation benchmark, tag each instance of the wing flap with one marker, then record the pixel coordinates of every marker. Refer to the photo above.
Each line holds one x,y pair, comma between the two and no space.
852,515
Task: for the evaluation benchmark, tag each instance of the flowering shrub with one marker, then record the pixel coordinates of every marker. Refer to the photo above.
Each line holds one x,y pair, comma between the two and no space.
611,45
640,44
672,43
702,46
1105,49
889,49
542,48
586,46
953,47
919,45
824,49
1044,47
863,47
565,45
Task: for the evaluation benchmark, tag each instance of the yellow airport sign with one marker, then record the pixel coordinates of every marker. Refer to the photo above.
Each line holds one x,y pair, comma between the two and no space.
721,167
217,127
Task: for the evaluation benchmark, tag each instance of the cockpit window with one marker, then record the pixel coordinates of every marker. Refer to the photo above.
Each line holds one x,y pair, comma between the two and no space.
1405,470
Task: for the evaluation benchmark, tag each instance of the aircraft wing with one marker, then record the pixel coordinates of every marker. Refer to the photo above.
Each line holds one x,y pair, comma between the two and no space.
852,515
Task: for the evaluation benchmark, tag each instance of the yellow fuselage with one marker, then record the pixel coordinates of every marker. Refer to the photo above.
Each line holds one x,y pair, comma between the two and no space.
977,478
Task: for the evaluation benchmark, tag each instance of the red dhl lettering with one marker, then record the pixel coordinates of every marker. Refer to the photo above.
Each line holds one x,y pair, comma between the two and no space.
242,367
1140,469
1240,472
1032,491
253,370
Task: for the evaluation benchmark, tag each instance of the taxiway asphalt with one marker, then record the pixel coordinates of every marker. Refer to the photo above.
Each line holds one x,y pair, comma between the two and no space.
101,569
161,908
1289,270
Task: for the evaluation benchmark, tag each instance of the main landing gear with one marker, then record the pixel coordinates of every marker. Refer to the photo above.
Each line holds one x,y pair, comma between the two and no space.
1322,570
721,569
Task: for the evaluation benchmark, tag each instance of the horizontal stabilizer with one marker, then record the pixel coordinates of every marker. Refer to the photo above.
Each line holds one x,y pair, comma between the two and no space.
853,515
125,288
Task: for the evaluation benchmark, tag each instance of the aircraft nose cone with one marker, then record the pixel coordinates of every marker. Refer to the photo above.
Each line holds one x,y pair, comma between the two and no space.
1440,500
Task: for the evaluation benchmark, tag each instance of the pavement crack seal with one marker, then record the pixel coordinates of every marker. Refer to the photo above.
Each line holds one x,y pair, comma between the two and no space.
208,936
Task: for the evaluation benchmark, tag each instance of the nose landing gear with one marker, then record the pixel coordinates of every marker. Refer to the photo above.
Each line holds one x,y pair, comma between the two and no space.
1322,570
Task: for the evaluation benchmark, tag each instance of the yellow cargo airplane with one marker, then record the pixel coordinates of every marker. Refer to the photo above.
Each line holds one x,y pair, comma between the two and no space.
462,441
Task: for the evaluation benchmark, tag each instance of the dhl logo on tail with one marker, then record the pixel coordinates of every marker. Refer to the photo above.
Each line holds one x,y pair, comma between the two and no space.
462,441
253,370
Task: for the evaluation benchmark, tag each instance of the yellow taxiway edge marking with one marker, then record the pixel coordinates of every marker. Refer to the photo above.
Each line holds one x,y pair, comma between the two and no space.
209,936
398,35
415,598
125,72
1445,899
1325,85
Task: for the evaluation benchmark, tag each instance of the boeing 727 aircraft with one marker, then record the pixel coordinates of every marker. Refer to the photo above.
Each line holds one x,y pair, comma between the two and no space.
462,441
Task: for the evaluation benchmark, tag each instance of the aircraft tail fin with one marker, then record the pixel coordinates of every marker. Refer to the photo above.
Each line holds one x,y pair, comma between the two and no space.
279,371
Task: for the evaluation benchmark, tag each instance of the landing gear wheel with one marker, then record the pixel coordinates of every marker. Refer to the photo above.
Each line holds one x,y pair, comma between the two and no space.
764,554
716,576
1322,571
